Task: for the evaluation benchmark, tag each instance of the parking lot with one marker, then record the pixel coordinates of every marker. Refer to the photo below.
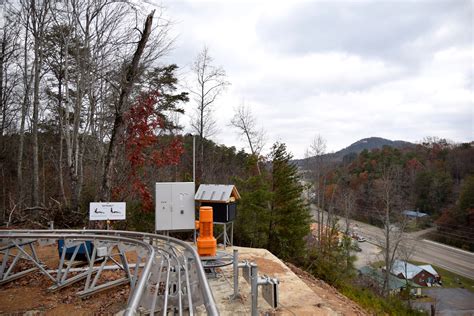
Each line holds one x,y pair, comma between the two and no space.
369,253
448,301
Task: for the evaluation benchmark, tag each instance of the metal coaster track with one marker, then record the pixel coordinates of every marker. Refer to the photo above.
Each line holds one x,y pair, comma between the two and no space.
172,277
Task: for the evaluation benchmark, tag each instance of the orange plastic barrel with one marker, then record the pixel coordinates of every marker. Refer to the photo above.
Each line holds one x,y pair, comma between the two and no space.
206,243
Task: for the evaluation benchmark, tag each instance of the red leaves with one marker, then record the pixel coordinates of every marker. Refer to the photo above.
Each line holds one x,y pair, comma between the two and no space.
145,147
414,164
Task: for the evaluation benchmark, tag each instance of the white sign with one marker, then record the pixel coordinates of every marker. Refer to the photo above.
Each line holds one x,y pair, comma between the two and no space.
100,211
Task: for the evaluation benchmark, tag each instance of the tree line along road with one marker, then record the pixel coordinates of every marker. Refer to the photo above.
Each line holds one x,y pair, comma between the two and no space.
452,259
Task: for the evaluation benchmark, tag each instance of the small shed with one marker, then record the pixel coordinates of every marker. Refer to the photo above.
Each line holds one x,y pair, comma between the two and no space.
222,198
395,285
406,270
429,268
415,214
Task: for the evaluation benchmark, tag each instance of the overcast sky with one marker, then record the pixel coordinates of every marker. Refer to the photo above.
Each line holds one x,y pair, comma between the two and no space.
343,69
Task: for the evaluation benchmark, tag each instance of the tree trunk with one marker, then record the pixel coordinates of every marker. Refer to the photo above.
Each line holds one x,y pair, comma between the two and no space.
60,167
38,26
24,110
121,107
36,87
43,173
2,106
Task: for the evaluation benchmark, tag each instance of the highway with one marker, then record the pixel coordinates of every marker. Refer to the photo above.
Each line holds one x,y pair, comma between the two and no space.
449,258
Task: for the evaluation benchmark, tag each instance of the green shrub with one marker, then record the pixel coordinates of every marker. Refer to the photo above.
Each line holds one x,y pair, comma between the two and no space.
377,304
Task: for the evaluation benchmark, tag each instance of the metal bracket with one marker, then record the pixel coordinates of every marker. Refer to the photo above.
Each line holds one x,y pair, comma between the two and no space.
250,274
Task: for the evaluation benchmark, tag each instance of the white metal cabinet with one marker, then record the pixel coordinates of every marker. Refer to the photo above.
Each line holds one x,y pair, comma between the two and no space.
174,208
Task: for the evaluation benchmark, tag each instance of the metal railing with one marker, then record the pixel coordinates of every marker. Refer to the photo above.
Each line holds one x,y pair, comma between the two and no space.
172,276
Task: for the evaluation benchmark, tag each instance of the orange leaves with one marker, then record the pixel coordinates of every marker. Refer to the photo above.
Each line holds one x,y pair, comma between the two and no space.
414,164
329,191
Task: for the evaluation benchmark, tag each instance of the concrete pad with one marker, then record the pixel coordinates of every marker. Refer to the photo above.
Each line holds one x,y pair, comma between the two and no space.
295,296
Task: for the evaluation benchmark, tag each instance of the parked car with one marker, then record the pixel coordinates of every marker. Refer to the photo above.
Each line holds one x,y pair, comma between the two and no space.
361,239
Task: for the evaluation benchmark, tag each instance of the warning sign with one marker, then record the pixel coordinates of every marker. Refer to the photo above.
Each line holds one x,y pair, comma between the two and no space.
100,211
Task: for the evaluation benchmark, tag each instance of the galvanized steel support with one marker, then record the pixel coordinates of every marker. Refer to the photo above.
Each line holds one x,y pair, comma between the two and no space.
182,287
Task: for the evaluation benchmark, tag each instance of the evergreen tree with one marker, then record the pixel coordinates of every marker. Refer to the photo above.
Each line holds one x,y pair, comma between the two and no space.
253,219
289,215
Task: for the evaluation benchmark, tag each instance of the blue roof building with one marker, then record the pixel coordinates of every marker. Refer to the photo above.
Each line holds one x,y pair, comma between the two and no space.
414,214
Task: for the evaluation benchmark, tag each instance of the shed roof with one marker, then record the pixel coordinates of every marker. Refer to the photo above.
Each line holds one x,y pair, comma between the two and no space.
414,214
220,193
408,271
394,283
429,268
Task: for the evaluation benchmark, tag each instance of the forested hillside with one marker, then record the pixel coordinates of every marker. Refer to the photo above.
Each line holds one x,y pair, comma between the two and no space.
350,152
433,177
89,112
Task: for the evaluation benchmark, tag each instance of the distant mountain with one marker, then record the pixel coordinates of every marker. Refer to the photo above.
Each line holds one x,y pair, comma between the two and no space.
369,144
352,150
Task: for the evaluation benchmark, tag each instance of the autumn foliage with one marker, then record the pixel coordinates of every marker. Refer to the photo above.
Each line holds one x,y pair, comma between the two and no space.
145,147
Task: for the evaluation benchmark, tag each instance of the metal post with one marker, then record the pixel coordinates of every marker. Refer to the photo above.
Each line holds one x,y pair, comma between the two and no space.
236,273
254,288
194,161
225,236
232,234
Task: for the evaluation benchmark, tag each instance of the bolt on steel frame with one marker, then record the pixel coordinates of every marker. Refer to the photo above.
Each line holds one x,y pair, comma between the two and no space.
172,277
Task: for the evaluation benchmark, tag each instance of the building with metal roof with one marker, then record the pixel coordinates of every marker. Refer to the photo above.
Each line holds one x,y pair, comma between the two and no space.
414,214
220,193
222,198
417,274
405,269
395,284
429,268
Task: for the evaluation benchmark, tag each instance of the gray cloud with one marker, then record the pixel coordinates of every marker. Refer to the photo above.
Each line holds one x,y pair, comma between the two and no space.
395,30
346,70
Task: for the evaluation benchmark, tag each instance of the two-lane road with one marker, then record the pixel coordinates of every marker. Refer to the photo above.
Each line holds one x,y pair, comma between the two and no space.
449,258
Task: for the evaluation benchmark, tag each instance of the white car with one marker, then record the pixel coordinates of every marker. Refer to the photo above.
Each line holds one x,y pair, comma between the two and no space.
361,239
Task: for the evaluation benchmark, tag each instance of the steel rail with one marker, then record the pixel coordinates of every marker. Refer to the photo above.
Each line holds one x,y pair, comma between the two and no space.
128,236
40,234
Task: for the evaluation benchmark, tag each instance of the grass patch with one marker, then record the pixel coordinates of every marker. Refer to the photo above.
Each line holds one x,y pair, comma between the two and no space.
376,304
450,279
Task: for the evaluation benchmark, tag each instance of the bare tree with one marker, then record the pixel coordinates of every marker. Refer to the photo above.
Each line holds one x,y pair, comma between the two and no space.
86,30
246,124
210,82
89,51
316,161
346,204
39,22
121,106
9,71
405,251
23,17
10,83
388,190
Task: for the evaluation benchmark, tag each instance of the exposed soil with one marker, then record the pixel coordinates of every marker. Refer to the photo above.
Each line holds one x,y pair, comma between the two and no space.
30,293
265,266
332,297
